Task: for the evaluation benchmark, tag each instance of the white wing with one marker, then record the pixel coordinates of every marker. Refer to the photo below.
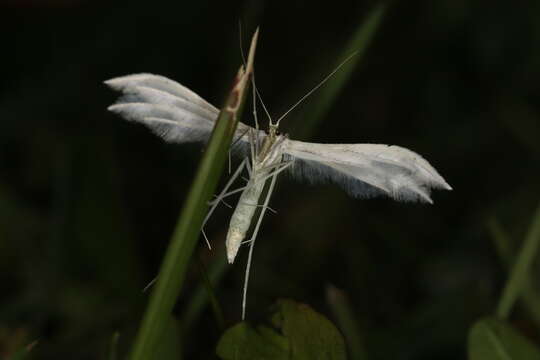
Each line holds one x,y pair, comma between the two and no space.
169,109
365,170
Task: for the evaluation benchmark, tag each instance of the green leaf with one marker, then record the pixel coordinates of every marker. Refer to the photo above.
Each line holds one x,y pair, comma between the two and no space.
297,332
177,257
492,339
346,320
311,335
242,342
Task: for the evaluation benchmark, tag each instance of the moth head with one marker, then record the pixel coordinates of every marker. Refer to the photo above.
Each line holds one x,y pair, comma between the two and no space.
273,129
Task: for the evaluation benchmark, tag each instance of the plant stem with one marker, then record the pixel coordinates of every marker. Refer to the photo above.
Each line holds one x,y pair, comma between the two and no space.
530,297
520,270
186,233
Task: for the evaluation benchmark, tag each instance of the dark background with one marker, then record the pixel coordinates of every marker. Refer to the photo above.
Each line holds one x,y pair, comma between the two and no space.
89,201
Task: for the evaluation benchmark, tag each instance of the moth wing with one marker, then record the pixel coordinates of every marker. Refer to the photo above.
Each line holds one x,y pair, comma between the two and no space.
366,170
168,108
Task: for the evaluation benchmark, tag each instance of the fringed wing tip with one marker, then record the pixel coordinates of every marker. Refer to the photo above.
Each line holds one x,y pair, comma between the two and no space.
118,108
420,189
119,82
113,83
410,193
425,197
402,187
438,182
126,111
447,186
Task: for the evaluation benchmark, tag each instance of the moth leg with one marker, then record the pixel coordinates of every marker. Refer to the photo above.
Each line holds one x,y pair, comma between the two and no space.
253,151
222,201
149,285
252,242
258,205
248,167
255,114
284,164
281,167
219,198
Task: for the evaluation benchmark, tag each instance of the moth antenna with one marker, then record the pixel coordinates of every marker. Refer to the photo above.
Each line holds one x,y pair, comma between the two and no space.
260,99
316,87
254,101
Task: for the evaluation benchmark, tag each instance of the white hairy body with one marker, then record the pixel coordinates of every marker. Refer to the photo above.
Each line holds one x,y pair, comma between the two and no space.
243,214
242,217
363,170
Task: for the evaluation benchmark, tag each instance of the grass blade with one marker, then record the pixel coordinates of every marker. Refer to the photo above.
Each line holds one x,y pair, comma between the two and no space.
493,339
327,95
520,270
186,233
205,293
113,347
502,242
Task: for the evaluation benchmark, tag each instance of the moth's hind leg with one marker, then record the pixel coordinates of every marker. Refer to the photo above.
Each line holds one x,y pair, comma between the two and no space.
220,198
251,241
261,206
214,205
279,167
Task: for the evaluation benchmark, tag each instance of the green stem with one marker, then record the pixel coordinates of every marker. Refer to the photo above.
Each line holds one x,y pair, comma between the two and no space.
502,242
186,233
113,349
357,44
204,293
519,273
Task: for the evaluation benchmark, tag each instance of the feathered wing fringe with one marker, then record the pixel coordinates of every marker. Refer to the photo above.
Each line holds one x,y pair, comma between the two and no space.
157,82
169,109
177,114
366,170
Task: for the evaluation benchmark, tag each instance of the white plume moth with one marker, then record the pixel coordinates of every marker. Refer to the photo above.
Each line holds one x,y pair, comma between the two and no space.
178,115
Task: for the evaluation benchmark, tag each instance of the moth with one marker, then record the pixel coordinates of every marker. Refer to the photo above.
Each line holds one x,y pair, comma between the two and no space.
179,115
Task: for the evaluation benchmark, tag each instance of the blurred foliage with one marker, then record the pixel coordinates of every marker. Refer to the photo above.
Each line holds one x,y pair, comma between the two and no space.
88,202
343,311
493,339
295,332
528,290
